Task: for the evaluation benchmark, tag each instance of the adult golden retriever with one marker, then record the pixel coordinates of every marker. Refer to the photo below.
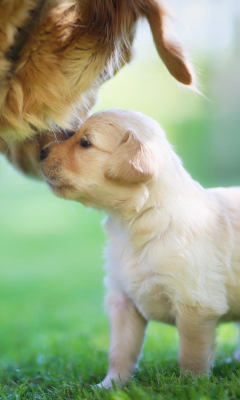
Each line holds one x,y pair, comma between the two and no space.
54,55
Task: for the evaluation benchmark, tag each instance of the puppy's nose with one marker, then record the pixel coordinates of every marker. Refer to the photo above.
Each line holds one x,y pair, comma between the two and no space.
44,153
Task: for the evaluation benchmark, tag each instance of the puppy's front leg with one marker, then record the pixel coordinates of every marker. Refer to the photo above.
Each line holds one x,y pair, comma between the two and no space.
197,342
127,327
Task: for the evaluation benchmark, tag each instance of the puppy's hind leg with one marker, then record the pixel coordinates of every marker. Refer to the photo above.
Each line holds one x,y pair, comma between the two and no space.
197,342
127,328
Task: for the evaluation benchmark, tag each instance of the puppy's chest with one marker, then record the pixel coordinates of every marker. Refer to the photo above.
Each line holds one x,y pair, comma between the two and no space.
134,275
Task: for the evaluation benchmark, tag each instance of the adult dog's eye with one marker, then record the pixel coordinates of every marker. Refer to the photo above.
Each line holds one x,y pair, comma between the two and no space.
85,142
69,133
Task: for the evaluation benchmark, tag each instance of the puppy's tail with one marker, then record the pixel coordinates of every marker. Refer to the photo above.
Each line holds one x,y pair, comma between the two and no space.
171,52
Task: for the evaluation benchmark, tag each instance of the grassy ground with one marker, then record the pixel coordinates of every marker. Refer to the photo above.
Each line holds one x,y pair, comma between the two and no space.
54,332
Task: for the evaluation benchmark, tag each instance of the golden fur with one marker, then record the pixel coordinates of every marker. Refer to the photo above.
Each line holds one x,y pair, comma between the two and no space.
54,55
174,247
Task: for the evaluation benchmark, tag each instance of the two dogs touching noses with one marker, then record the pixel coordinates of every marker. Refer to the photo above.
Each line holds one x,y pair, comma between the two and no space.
174,247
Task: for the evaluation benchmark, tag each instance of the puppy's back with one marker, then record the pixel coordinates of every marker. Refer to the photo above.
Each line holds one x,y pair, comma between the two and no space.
228,197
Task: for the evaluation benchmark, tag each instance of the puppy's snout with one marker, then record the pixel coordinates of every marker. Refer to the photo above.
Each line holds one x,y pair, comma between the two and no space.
44,153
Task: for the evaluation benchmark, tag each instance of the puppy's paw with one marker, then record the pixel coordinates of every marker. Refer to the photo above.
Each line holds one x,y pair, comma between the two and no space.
111,382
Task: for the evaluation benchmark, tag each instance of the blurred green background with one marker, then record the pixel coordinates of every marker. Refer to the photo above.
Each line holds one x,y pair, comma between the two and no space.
51,290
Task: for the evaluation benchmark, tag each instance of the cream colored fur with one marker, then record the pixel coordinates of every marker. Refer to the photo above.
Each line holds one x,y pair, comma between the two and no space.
174,247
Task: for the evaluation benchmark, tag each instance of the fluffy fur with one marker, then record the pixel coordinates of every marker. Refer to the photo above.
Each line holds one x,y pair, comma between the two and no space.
54,55
174,247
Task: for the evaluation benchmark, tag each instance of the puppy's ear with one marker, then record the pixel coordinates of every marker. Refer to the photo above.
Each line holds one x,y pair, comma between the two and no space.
170,52
132,162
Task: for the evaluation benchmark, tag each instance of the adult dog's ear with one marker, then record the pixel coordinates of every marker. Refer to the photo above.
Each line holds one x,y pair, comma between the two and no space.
132,162
170,52
3,146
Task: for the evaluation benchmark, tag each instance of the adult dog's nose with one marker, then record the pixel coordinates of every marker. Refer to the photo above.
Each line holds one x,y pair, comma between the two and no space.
44,153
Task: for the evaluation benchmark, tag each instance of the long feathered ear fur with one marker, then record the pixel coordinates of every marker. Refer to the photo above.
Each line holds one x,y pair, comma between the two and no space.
132,162
170,52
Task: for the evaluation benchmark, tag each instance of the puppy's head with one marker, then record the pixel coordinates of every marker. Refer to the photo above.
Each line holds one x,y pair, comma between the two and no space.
106,162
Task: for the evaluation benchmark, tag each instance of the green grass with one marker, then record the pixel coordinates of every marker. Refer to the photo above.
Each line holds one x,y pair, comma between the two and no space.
54,330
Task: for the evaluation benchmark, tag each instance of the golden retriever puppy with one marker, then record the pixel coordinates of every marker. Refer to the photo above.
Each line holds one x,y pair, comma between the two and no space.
55,54
174,247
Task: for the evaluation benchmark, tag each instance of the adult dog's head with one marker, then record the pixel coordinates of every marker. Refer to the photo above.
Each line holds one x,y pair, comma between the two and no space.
54,55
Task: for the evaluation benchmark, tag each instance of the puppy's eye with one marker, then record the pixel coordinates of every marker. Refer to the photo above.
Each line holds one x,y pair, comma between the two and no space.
84,142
